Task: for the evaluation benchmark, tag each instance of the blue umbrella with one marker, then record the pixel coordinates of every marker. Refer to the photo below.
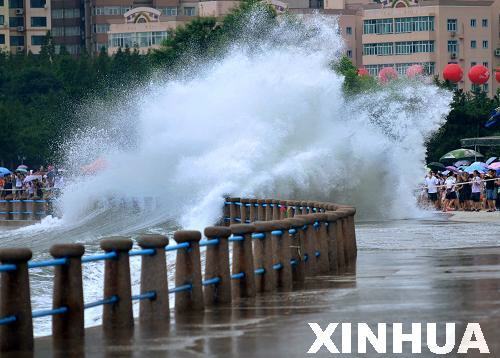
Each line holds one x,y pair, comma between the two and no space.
479,166
494,118
4,171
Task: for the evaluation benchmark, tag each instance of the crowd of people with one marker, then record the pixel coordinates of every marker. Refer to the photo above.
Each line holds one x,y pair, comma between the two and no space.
24,184
462,191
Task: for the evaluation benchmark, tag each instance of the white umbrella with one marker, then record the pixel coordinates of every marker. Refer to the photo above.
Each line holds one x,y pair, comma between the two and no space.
31,178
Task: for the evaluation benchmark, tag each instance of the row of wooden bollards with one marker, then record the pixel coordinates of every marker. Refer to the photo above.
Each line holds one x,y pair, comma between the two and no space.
305,239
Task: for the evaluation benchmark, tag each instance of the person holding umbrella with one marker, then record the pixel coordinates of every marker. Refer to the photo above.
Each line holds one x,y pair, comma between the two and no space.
491,190
451,195
432,191
476,191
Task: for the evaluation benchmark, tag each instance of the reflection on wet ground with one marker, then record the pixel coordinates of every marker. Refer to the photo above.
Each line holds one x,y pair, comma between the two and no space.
455,285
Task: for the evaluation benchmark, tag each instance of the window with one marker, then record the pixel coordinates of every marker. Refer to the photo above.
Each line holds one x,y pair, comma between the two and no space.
473,44
110,10
37,40
485,44
473,22
101,28
140,39
2,39
189,11
411,24
452,25
37,4
473,63
71,13
57,13
66,31
349,53
2,19
380,49
1,3
485,87
17,40
485,22
39,22
16,4
452,46
409,47
169,11
485,64
429,67
348,30
379,26
16,21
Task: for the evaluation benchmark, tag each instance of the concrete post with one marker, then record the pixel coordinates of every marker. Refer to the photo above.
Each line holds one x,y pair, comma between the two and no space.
217,265
269,209
261,210
244,211
188,271
15,301
276,209
234,211
4,210
303,208
154,279
17,212
282,255
310,245
117,282
284,210
333,256
243,261
263,257
340,242
68,292
297,249
322,243
253,210
30,209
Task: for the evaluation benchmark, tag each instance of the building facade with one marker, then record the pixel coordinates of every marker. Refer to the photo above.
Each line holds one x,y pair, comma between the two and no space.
23,25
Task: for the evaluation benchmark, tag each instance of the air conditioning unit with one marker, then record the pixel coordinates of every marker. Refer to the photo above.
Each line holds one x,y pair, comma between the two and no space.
497,52
453,33
453,55
19,11
20,48
20,28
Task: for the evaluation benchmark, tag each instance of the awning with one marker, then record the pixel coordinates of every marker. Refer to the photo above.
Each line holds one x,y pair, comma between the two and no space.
483,141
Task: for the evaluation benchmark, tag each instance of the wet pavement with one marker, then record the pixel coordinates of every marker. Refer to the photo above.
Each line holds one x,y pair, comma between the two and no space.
412,285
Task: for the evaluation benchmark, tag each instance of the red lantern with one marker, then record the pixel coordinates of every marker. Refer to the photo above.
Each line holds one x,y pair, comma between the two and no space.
414,71
363,72
497,74
452,72
387,74
479,74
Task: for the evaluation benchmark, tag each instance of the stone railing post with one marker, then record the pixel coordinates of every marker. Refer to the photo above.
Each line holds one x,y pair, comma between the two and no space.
349,233
276,209
284,209
281,254
297,248
30,209
341,245
303,208
4,209
68,292
243,261
295,208
322,243
245,211
269,209
234,211
310,245
217,265
263,256
154,279
261,210
333,253
15,301
253,210
17,211
117,283
188,272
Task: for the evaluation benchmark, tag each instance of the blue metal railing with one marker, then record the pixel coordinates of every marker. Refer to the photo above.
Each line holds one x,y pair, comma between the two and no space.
8,267
277,232
292,231
317,253
51,312
183,245
258,235
105,301
99,257
141,252
7,320
237,238
238,276
212,242
211,281
186,287
260,271
278,266
149,295
47,263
